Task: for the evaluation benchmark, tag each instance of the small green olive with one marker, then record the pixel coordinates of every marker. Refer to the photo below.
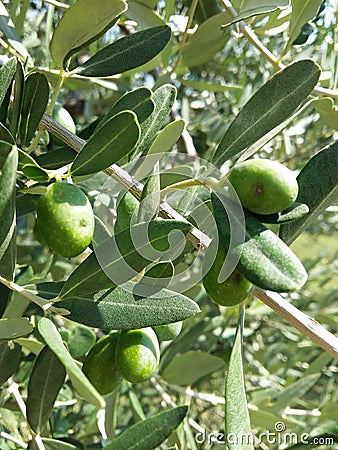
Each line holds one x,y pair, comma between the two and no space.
264,186
65,219
100,367
234,290
137,354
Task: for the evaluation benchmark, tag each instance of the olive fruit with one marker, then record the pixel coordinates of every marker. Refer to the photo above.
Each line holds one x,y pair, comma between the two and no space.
137,354
264,186
65,219
62,116
230,292
100,367
126,207
168,332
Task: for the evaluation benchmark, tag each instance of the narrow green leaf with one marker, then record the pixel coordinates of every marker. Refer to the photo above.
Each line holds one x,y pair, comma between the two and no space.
31,168
72,34
121,309
273,103
54,159
186,368
150,197
141,436
54,444
126,53
294,212
302,12
117,259
237,419
251,8
10,356
210,87
138,100
207,40
35,99
109,144
8,29
14,328
164,98
318,188
264,259
19,85
144,15
46,379
167,137
54,341
7,200
291,394
7,73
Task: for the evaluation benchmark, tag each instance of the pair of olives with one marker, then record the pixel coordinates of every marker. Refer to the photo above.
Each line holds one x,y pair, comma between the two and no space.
263,187
130,354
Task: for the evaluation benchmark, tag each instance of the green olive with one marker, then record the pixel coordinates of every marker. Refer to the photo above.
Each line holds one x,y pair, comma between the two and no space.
234,290
168,332
62,116
65,219
137,354
100,367
264,186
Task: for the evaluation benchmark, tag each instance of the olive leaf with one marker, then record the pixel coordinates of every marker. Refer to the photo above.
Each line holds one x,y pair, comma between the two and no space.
272,104
72,34
7,200
263,258
237,419
10,356
117,260
126,53
318,188
54,341
141,436
35,99
114,140
138,100
120,308
163,98
44,384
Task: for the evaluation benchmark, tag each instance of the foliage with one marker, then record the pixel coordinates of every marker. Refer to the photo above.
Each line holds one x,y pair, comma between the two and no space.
167,97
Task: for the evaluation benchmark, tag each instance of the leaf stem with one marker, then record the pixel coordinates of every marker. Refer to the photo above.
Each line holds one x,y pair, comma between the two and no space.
14,389
185,34
46,305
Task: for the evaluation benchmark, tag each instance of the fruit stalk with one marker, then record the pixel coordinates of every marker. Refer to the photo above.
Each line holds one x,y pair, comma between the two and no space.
312,329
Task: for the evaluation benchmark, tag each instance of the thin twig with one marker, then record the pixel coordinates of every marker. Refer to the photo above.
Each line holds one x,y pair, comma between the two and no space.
13,388
251,36
312,329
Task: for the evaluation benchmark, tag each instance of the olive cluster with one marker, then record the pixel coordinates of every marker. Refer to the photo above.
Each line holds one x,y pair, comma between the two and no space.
130,354
264,187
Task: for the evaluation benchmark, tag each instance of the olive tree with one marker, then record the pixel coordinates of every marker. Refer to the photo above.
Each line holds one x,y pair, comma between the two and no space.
168,204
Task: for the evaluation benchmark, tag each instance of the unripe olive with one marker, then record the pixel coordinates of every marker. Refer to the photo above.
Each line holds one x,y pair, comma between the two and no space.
137,354
264,186
62,116
100,366
168,332
65,219
234,290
